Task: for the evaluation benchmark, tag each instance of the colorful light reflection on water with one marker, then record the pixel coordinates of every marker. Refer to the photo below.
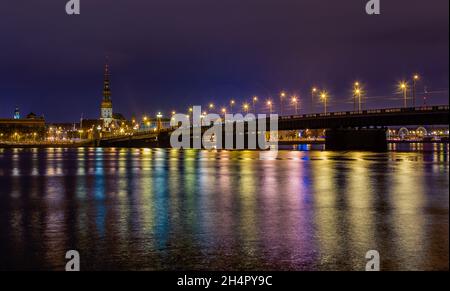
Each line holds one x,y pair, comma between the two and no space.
157,209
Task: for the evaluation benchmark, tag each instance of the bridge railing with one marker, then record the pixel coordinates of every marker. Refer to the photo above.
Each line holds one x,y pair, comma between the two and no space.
369,111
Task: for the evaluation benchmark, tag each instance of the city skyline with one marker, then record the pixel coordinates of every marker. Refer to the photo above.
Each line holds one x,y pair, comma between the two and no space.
245,52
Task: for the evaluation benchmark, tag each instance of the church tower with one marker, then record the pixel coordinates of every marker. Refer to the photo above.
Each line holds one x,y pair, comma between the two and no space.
106,107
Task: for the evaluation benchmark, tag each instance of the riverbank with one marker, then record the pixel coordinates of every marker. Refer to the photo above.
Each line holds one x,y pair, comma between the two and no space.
282,143
48,145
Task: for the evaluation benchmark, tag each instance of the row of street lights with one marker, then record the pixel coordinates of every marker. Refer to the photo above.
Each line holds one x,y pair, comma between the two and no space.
321,94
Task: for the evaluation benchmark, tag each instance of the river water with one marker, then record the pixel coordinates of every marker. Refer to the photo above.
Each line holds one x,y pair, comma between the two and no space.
164,209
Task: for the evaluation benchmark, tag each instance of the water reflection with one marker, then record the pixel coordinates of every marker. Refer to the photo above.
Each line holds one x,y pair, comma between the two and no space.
156,209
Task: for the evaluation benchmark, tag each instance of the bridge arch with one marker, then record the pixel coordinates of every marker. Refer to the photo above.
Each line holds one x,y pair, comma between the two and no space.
421,131
403,132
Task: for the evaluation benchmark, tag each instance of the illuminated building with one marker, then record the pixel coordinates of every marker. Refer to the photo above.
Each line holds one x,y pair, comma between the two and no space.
16,113
106,112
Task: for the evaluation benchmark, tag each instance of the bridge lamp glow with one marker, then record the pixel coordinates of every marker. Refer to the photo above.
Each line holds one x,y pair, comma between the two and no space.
245,106
404,87
416,77
159,115
255,98
224,110
324,97
211,105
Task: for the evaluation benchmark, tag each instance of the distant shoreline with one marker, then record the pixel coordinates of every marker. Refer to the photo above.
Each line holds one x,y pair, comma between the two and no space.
90,144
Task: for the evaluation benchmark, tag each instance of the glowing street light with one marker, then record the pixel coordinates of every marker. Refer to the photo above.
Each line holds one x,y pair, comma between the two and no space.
224,111
246,107
324,98
313,93
357,93
356,87
294,101
415,78
269,104
232,102
282,96
211,106
404,88
255,99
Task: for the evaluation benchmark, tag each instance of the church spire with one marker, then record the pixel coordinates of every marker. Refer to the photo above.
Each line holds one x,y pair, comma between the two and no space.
106,85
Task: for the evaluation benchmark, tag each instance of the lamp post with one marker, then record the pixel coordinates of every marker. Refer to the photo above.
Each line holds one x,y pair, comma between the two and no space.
282,96
355,96
224,112
357,92
404,88
295,103
324,97
269,104
255,99
313,93
415,78
232,105
245,106
159,122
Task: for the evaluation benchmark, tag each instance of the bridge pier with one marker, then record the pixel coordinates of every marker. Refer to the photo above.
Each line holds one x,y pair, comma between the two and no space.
356,139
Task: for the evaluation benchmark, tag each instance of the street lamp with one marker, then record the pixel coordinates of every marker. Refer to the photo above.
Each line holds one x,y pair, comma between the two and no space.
404,88
294,101
415,78
255,99
224,111
159,121
269,104
231,105
313,93
211,106
356,88
324,98
245,106
282,96
357,92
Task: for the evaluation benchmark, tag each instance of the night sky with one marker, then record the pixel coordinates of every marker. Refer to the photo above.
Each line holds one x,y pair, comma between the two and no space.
169,54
